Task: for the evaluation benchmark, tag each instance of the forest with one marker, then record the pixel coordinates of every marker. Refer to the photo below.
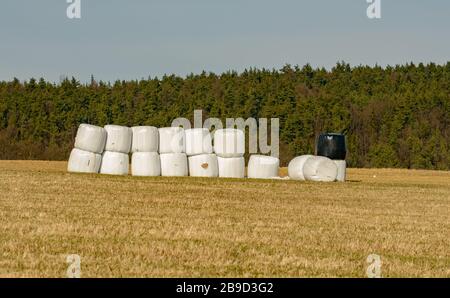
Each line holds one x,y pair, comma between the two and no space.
393,116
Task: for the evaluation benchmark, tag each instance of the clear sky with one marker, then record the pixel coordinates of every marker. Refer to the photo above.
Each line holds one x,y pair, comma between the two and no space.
133,39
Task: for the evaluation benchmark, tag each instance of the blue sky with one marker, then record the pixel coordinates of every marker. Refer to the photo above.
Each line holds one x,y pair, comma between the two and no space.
118,39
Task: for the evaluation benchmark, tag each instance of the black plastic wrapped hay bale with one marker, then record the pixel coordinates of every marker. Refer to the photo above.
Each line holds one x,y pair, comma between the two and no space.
332,145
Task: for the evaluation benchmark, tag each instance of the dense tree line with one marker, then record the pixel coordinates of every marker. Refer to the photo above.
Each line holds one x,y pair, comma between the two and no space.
393,116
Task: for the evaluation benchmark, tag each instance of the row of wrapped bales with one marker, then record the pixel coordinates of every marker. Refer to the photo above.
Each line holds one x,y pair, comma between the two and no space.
170,151
173,151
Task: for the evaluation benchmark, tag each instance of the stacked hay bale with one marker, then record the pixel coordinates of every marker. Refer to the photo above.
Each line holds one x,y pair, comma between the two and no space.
229,146
106,150
118,144
333,146
89,145
145,160
172,149
202,161
263,167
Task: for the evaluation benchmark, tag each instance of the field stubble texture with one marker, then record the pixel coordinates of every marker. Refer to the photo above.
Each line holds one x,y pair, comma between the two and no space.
208,227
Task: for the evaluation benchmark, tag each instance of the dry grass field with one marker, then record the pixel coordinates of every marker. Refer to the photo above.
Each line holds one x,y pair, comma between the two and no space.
190,227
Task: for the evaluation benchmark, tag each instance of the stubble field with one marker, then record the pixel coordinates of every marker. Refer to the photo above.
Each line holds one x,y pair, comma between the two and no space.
193,227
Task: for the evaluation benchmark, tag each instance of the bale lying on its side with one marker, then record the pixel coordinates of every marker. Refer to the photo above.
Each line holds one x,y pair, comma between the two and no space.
295,168
318,168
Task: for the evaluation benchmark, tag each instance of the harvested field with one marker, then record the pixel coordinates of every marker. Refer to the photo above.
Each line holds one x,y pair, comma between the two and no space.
203,227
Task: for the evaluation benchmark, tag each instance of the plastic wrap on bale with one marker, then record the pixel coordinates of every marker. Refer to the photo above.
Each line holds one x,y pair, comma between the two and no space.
114,163
319,168
174,164
81,161
146,164
198,141
172,140
118,138
231,167
204,165
145,139
90,138
229,142
295,167
342,170
332,145
263,167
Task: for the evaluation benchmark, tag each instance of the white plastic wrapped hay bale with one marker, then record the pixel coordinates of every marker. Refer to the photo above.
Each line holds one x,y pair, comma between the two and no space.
118,138
342,170
81,161
319,168
171,140
90,138
204,165
174,164
263,167
145,139
198,141
114,163
232,167
146,164
229,142
295,168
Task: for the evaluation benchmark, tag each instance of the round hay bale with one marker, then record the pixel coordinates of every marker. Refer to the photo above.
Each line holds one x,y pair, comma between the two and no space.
81,161
263,167
229,142
90,138
174,164
145,139
198,141
342,170
332,145
118,138
231,167
204,165
319,168
114,163
147,164
295,168
171,140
